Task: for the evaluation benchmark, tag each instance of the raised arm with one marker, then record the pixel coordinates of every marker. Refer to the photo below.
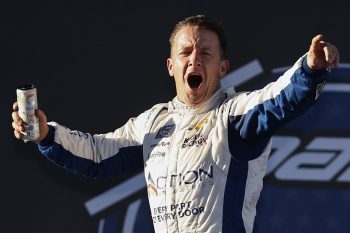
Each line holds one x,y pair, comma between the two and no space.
255,116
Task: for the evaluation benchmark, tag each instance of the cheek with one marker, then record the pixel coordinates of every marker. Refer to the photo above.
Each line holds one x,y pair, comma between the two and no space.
180,63
178,67
213,70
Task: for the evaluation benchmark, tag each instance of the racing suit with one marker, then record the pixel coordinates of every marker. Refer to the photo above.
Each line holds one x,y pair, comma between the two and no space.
204,167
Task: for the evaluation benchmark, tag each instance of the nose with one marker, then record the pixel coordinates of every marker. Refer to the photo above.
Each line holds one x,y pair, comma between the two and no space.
195,59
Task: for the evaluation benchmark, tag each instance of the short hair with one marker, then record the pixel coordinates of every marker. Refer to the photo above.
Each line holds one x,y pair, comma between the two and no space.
201,21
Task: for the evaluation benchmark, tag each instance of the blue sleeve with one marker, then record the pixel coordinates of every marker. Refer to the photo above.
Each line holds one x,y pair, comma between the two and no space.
97,156
255,116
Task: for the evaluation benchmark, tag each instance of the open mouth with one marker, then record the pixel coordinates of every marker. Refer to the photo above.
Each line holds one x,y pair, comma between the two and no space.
194,81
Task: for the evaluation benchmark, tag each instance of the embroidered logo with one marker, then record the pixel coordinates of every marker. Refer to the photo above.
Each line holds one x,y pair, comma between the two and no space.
196,140
165,131
151,188
319,89
199,125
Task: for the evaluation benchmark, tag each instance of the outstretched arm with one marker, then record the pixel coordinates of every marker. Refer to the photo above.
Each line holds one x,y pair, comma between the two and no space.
255,116
97,156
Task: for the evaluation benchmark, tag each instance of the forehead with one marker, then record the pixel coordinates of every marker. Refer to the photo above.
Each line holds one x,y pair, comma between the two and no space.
198,36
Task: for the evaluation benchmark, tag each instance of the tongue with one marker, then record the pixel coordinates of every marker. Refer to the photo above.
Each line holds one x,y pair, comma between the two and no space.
194,81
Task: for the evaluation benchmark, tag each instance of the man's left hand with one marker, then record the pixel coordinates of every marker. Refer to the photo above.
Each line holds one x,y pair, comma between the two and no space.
322,55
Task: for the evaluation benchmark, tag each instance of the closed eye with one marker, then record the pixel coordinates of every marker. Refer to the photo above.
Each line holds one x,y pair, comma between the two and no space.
206,53
185,53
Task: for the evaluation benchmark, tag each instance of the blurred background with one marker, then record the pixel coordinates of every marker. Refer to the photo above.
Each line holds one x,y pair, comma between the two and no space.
98,63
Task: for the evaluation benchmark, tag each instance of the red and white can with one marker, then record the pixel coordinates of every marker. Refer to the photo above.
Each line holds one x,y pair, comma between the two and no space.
27,104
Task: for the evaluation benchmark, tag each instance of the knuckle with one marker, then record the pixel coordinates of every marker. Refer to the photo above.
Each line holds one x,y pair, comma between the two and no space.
17,135
15,106
18,121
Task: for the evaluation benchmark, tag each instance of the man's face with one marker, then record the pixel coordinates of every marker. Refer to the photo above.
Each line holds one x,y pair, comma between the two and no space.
196,64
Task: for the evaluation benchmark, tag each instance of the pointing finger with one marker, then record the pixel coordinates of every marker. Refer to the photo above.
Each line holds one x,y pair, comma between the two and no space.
316,40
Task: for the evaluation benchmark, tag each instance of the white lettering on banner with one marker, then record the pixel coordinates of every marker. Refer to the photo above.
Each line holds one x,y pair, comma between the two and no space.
283,147
322,160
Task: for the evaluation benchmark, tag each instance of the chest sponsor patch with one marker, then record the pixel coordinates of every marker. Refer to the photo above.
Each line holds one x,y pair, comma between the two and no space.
196,140
165,131
199,125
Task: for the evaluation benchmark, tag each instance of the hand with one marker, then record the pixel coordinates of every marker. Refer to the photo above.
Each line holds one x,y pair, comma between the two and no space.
322,55
18,125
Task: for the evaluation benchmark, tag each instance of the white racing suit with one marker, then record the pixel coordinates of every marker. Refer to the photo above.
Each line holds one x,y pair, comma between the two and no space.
204,167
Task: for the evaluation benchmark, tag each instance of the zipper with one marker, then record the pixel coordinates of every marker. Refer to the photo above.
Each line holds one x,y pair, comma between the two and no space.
173,157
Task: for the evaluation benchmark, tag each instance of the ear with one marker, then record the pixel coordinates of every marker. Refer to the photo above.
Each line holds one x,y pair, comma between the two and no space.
224,65
169,64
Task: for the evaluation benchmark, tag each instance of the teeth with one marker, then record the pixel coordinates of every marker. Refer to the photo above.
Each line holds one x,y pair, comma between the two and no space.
192,74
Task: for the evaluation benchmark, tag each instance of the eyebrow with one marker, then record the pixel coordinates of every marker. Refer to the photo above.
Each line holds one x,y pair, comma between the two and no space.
185,47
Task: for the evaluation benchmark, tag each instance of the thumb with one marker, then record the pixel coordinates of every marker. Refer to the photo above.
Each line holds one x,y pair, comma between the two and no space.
43,127
41,116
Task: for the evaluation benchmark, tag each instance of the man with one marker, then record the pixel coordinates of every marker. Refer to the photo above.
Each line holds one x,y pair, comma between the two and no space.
205,152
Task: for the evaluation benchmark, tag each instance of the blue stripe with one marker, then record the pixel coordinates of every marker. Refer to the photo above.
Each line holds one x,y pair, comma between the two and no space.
234,197
112,222
244,150
143,222
264,119
127,160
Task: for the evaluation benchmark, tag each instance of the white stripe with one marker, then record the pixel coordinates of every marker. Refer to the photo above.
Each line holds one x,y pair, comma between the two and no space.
337,87
248,101
130,217
104,147
284,68
242,74
101,226
344,65
254,184
116,194
280,69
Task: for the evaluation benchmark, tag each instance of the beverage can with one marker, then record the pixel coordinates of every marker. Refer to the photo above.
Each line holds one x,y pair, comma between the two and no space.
27,104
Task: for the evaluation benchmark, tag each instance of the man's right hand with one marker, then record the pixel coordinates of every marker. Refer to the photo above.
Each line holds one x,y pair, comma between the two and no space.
18,125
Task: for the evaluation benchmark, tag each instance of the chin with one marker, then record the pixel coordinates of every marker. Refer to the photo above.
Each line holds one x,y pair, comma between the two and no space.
195,100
